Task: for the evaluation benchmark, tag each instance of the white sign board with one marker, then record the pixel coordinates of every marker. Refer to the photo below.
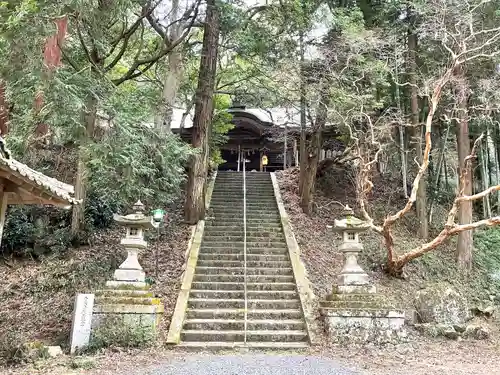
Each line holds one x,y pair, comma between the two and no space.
82,321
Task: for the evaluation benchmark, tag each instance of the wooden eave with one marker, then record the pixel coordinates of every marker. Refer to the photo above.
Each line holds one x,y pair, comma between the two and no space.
23,185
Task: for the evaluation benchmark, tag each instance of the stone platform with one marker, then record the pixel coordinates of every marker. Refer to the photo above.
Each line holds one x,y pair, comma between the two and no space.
130,305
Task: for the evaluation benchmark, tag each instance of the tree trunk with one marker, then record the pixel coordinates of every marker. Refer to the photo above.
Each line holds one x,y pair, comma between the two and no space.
401,132
173,76
303,135
441,163
4,110
194,209
494,163
312,155
485,178
465,239
416,134
89,119
51,59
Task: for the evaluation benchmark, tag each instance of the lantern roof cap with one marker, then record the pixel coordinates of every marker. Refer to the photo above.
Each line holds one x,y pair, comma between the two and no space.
349,222
136,219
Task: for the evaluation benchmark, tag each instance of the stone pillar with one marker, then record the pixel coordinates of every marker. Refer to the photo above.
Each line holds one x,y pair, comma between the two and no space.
353,312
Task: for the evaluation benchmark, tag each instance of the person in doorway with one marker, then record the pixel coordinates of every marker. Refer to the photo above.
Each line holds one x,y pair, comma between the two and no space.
264,162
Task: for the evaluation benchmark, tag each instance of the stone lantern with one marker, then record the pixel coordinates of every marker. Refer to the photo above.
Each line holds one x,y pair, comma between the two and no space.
354,312
136,223
352,275
128,299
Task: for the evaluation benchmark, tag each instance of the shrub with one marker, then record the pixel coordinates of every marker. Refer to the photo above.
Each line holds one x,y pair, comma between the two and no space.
113,331
35,231
14,349
487,258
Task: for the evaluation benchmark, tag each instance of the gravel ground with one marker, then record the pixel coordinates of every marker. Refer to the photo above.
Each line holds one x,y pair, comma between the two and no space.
251,365
432,357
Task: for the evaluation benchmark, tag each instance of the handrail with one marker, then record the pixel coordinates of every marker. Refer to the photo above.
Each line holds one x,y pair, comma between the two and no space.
245,246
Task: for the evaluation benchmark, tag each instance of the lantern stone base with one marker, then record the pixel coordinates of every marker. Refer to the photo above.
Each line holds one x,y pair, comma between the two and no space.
128,307
130,275
359,317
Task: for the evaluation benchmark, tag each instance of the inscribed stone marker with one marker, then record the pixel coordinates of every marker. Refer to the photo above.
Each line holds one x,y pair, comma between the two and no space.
82,321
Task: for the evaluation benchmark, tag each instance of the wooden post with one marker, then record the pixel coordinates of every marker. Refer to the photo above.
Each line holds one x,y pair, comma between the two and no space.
285,146
239,158
295,152
261,167
3,209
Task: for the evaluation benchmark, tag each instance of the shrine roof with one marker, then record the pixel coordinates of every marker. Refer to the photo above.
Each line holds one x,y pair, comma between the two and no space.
34,187
267,117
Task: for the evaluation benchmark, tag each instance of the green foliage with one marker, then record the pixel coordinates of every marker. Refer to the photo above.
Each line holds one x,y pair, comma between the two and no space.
138,164
221,125
14,351
113,331
487,258
36,231
82,363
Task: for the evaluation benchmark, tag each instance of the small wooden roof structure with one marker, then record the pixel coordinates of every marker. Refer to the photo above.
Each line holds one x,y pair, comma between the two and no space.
19,184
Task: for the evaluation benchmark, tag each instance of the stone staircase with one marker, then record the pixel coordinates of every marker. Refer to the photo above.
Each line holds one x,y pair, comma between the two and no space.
215,316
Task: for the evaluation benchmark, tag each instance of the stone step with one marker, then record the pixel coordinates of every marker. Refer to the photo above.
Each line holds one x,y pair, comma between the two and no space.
248,179
237,235
238,215
234,303
217,294
218,303
237,189
220,263
356,297
240,294
238,228
202,270
121,300
268,207
239,245
346,305
239,335
276,325
218,313
266,245
252,186
271,294
217,345
241,257
257,251
236,209
283,286
277,335
210,220
241,263
223,201
239,324
200,285
127,293
256,314
241,278
263,237
250,202
251,195
214,324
